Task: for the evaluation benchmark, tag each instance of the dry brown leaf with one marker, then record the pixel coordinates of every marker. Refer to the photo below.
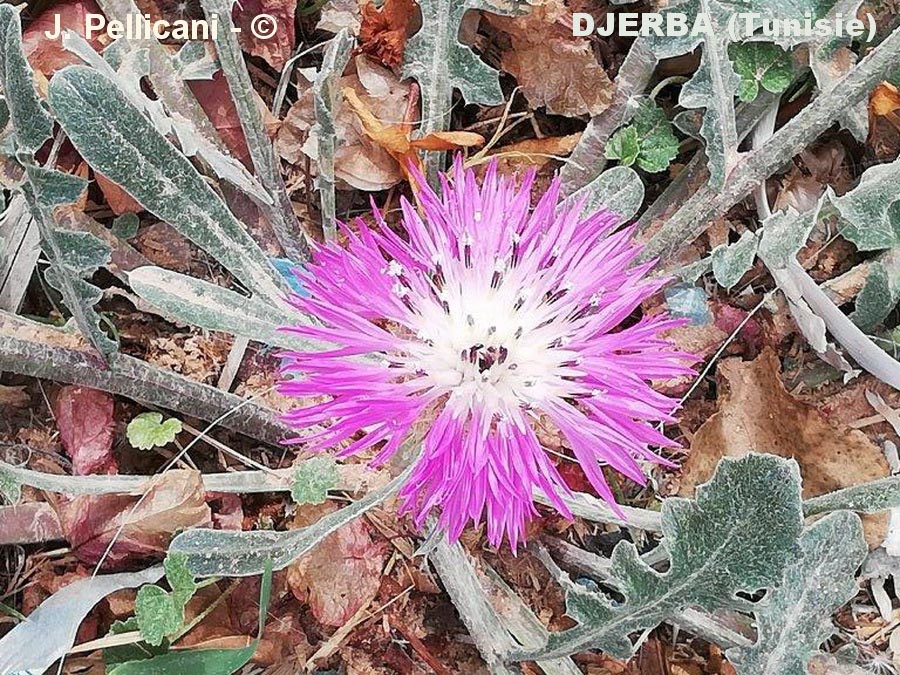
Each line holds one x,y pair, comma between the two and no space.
200,357
358,162
118,200
885,102
340,575
554,69
395,138
142,527
756,413
277,49
13,397
534,152
48,56
162,245
84,418
383,31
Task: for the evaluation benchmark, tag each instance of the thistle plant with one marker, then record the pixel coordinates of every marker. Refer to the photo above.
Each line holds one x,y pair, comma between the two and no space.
488,320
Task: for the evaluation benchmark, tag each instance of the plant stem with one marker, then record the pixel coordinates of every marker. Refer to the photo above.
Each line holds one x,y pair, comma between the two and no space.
707,204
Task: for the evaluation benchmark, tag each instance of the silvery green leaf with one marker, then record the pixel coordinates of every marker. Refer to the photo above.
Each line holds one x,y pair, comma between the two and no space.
881,292
195,62
436,58
31,123
713,87
34,645
618,189
737,535
212,307
784,233
870,212
761,64
114,137
326,94
211,553
796,619
732,261
71,254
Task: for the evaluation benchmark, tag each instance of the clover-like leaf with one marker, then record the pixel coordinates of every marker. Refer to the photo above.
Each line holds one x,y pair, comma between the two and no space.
737,535
761,64
147,431
796,619
179,578
157,613
647,141
313,479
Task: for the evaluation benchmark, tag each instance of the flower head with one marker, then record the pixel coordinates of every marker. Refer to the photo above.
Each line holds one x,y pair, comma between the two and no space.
485,321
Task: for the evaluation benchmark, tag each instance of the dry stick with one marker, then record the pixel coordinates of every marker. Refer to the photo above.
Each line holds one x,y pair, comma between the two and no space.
706,204
32,349
281,213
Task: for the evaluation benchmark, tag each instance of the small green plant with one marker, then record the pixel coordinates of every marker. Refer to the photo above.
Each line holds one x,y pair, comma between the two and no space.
148,430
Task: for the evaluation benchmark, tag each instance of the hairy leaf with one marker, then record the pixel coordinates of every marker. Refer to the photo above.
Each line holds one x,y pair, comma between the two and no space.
114,137
784,233
206,305
731,262
796,619
436,58
761,64
147,431
242,554
31,123
881,292
618,189
870,212
313,479
738,534
72,255
326,93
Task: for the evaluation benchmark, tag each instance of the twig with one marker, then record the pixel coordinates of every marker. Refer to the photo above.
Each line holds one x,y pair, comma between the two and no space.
706,204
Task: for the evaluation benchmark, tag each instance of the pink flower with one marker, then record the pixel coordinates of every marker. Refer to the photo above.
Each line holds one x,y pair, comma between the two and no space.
487,319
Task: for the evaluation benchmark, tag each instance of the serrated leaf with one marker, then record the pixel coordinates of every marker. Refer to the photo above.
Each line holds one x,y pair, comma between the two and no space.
31,123
313,479
732,261
436,58
737,535
761,64
796,619
624,145
157,614
326,93
881,292
784,233
870,212
70,254
618,189
114,137
241,554
180,579
147,431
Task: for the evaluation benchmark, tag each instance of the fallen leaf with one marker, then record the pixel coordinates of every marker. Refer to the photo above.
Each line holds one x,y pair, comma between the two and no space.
214,97
117,199
277,49
534,152
885,102
48,56
383,31
756,413
358,162
575,83
162,245
396,138
340,575
339,14
28,523
142,526
84,418
14,397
